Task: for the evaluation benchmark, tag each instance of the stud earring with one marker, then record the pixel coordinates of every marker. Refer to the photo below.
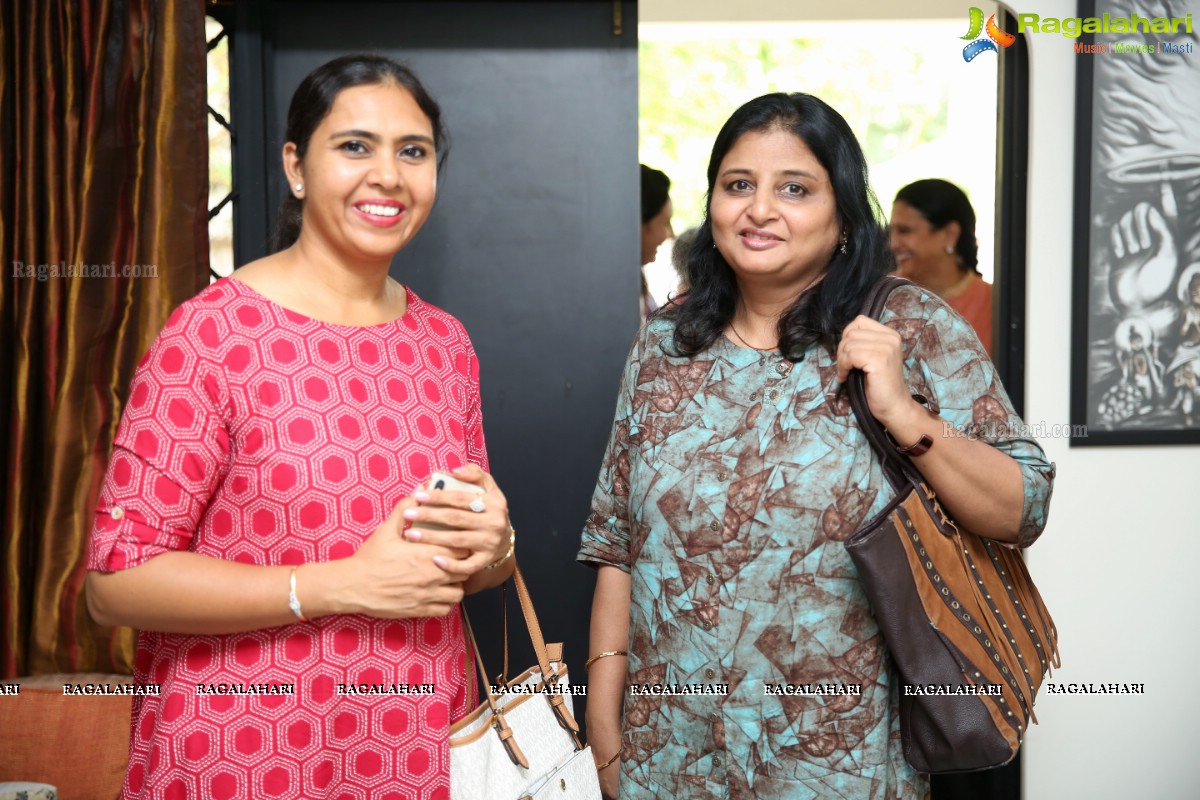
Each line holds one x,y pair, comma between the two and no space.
949,250
299,187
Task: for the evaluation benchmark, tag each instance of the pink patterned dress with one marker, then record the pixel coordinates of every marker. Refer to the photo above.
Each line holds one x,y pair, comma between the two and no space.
258,435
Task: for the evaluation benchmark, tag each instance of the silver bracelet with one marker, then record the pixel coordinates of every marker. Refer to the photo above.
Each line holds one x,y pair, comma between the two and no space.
293,600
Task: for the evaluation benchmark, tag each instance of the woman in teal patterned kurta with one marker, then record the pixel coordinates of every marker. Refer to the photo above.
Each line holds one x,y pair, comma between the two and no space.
735,471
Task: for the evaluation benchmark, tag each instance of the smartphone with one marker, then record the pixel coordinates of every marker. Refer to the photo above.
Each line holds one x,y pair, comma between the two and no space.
446,481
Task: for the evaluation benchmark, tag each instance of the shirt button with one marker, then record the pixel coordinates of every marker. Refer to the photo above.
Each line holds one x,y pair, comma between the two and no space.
706,625
713,717
754,395
782,368
117,512
762,361
722,475
710,673
774,394
716,761
714,525
710,578
737,436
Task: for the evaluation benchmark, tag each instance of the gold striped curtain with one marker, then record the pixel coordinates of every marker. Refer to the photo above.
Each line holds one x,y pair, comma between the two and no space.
103,231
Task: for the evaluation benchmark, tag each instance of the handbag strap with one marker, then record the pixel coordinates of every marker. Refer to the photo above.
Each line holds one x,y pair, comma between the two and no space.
898,468
557,701
503,677
503,730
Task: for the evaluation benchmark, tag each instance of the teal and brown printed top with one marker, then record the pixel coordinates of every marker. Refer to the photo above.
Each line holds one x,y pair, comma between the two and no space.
729,485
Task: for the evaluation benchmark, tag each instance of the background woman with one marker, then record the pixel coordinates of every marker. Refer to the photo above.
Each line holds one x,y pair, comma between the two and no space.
253,520
656,225
735,471
933,240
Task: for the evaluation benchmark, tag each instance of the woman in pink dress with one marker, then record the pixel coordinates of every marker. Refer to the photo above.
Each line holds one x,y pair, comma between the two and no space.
260,519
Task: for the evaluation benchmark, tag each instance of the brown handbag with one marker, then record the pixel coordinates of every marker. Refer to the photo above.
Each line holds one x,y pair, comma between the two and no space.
959,613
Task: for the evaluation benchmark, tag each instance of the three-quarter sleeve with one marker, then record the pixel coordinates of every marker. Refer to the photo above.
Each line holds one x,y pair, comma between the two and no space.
473,428
606,534
947,364
170,453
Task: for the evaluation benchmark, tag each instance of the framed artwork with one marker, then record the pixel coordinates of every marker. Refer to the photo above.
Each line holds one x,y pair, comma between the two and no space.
1135,356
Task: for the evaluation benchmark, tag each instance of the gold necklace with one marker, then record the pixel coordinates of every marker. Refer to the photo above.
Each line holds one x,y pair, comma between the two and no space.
741,338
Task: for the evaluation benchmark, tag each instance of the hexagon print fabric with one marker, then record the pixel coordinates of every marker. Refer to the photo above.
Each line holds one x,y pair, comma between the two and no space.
258,435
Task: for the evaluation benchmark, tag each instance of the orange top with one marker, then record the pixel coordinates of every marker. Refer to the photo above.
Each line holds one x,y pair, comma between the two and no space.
975,306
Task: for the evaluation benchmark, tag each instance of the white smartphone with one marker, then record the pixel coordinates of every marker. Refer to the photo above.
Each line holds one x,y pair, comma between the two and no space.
446,481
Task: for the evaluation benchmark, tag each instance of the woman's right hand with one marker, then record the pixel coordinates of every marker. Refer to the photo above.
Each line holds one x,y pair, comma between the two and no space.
392,578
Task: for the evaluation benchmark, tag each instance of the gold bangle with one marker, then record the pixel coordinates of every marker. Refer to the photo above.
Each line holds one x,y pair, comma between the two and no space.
512,545
587,664
610,761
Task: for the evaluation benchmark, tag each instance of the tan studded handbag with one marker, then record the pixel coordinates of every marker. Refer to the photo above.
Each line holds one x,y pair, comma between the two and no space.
969,634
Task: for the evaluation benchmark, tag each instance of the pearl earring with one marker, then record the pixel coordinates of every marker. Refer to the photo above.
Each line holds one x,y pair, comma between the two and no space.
949,250
299,187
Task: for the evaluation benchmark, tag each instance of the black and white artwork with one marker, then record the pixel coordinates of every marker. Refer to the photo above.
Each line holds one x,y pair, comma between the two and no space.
1136,331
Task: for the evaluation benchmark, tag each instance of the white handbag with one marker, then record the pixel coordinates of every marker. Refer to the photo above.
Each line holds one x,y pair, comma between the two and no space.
523,742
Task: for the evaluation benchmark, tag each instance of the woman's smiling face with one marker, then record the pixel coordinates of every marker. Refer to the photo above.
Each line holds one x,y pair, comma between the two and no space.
773,211
917,246
369,175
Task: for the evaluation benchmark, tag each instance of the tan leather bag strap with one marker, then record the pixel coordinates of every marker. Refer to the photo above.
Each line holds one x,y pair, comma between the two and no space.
487,687
503,731
504,625
557,702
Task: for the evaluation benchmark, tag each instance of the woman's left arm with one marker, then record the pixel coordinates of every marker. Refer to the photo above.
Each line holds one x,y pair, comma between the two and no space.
981,484
998,488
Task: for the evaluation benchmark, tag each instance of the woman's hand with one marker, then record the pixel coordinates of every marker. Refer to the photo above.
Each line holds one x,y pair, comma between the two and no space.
604,749
980,485
388,577
876,350
482,538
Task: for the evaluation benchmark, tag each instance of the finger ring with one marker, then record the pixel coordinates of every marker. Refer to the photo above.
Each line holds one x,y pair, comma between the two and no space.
477,505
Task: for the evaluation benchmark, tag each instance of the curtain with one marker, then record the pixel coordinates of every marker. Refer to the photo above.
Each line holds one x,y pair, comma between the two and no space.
103,231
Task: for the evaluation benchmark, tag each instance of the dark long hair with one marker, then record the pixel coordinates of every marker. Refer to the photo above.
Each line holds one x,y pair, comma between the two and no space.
314,98
941,202
821,312
656,189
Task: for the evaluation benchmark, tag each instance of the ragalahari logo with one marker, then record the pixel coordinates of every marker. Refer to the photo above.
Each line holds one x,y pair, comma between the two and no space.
995,36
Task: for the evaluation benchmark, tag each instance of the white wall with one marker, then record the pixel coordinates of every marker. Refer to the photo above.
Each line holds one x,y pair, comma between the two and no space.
793,10
1116,565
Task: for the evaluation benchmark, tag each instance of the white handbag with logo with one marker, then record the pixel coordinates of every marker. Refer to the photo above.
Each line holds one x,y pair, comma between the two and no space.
522,743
